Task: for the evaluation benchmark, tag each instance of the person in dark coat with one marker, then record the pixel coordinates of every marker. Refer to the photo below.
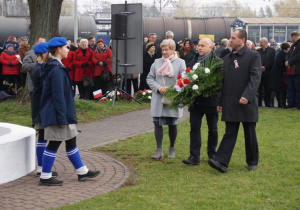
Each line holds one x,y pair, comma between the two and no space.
276,83
152,38
148,60
187,52
203,106
58,114
238,102
293,72
267,55
40,50
223,46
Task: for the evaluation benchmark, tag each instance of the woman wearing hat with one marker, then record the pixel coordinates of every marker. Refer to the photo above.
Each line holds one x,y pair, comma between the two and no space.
148,60
58,114
24,48
40,50
102,60
82,61
10,61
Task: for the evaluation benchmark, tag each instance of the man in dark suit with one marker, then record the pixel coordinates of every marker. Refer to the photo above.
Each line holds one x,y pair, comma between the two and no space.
267,55
238,102
223,45
203,106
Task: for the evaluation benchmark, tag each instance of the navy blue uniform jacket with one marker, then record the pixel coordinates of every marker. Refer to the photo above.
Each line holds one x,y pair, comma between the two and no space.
57,102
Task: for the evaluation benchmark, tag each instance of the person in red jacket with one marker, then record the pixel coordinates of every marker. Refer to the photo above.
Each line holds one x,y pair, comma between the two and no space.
82,61
10,60
68,63
102,57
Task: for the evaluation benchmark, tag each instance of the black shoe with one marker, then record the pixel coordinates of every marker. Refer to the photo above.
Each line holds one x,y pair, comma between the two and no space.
50,182
289,107
89,174
191,161
252,167
298,107
54,174
217,165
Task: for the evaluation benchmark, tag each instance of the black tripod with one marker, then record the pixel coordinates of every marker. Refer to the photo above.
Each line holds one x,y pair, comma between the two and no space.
116,88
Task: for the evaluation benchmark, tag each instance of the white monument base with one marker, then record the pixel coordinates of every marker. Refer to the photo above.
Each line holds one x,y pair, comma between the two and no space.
17,151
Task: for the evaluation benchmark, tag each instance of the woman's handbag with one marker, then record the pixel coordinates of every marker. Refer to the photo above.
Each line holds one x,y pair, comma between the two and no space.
164,99
106,76
87,81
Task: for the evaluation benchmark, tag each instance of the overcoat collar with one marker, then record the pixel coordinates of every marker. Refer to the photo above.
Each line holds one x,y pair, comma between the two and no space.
242,50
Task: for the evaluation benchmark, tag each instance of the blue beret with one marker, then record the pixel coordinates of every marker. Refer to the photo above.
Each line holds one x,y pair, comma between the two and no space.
41,48
57,42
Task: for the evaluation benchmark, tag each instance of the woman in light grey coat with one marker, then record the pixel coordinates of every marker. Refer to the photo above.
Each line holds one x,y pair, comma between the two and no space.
163,72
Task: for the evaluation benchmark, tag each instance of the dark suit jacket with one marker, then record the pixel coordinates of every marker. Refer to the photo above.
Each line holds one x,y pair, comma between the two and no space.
241,80
294,58
267,59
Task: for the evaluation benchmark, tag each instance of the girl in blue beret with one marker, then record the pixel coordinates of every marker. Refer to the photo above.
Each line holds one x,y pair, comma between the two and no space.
40,50
58,114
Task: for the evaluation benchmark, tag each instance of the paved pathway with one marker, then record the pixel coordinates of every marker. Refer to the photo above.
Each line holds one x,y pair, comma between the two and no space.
25,193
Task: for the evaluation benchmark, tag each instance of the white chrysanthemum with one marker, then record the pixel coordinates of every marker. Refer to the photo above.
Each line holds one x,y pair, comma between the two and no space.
195,87
144,93
110,99
195,76
206,70
149,97
196,66
149,91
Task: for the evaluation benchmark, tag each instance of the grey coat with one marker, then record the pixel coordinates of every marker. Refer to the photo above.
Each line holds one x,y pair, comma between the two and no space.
241,82
155,81
28,65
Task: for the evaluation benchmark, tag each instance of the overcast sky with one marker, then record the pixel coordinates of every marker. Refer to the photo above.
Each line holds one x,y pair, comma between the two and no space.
254,4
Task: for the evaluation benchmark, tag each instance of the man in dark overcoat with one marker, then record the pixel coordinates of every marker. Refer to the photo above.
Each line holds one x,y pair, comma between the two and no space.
267,55
238,101
203,106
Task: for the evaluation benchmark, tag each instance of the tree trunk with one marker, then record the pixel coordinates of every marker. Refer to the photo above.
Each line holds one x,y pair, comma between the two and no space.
44,17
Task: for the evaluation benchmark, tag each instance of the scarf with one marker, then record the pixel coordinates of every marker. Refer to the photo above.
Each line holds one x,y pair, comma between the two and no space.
201,59
102,50
151,54
167,69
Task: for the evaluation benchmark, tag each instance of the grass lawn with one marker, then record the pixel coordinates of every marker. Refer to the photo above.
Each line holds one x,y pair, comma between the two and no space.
87,111
169,184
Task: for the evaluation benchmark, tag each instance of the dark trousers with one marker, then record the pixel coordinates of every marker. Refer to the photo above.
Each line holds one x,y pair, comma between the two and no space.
135,85
229,139
196,116
101,85
143,82
293,84
264,92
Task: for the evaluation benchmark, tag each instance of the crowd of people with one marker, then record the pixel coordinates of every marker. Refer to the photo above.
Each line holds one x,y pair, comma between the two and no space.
280,79
88,59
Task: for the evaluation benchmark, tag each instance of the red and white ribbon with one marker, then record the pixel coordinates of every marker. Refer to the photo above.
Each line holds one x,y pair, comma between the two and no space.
236,64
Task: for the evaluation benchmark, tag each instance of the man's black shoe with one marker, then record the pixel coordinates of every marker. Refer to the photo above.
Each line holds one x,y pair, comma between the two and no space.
217,165
252,167
191,161
89,174
54,174
289,107
298,107
50,182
